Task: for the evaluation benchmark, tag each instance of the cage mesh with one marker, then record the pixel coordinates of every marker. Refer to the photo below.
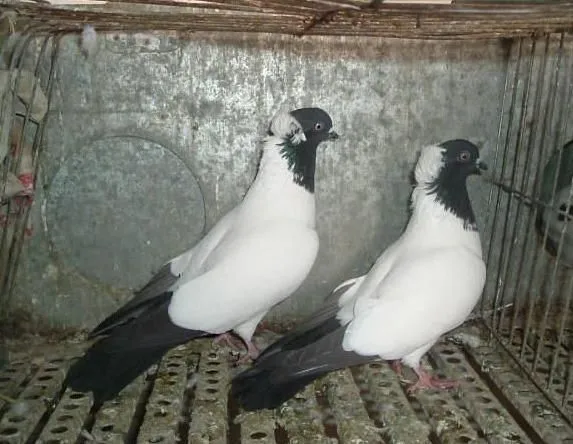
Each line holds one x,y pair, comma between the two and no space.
526,306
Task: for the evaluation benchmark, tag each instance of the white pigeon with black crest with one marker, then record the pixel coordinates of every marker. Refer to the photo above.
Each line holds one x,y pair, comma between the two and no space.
424,285
256,256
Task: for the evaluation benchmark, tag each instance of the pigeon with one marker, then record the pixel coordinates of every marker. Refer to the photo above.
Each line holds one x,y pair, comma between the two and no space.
256,256
423,285
556,211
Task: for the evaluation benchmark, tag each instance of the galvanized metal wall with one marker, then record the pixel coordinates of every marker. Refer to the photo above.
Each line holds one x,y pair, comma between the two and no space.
152,140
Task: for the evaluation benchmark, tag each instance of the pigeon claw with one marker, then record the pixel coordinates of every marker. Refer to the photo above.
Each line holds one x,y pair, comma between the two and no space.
427,381
229,340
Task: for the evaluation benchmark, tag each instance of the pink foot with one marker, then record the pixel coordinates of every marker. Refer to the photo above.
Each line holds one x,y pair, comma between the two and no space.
252,353
425,380
397,367
229,340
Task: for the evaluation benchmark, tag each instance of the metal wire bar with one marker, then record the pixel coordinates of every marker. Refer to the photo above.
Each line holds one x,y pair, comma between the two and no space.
504,253
519,362
489,213
521,297
496,211
37,147
561,127
12,243
500,297
549,116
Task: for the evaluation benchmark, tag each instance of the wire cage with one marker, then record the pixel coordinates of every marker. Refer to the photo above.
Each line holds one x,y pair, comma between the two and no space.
517,385
528,302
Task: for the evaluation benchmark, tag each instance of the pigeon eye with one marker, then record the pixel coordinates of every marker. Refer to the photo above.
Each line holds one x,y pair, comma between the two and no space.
464,156
318,126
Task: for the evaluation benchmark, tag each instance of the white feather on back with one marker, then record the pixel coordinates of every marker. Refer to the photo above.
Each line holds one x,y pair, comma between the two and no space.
425,284
255,256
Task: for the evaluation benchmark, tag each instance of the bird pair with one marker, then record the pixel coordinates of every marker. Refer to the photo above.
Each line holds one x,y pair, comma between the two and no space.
425,284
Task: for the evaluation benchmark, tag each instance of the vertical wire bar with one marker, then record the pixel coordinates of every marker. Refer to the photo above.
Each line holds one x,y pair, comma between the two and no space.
517,158
503,166
561,126
568,295
36,148
6,241
522,296
547,123
504,256
494,168
568,384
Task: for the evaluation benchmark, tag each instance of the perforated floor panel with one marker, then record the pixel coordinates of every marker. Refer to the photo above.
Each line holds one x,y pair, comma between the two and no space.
184,399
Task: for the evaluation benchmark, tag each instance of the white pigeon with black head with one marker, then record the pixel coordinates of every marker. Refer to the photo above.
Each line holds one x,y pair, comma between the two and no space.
424,285
256,256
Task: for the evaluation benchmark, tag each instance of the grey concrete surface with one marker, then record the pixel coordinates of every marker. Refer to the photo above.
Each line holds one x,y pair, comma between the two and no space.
152,140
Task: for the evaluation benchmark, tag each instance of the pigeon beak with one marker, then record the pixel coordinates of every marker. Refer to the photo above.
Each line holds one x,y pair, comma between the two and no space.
481,166
333,135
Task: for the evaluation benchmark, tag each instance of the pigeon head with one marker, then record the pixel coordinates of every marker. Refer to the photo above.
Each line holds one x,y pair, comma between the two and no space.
301,131
442,171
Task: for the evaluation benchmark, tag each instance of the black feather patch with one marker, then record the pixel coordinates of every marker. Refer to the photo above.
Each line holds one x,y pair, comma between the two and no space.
278,375
115,360
156,287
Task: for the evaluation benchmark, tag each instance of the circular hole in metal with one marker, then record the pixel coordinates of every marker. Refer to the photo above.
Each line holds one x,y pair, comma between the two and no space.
60,429
65,417
107,428
163,402
160,414
212,381
71,406
453,360
45,378
258,435
9,431
16,419
212,372
77,396
484,399
156,439
212,390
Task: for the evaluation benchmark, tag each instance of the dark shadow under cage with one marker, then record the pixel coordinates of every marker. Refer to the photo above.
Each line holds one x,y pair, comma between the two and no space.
517,384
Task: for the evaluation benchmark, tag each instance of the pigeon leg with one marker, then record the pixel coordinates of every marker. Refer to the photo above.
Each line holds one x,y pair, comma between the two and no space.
228,339
396,365
425,380
252,353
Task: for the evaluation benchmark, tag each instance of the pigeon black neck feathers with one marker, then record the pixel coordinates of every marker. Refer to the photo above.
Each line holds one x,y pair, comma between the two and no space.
457,159
302,130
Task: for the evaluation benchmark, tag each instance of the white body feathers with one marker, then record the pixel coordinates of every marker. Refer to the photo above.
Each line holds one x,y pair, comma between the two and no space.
254,257
422,286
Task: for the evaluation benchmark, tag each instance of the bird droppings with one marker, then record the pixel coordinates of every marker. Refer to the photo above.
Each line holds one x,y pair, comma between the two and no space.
185,400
